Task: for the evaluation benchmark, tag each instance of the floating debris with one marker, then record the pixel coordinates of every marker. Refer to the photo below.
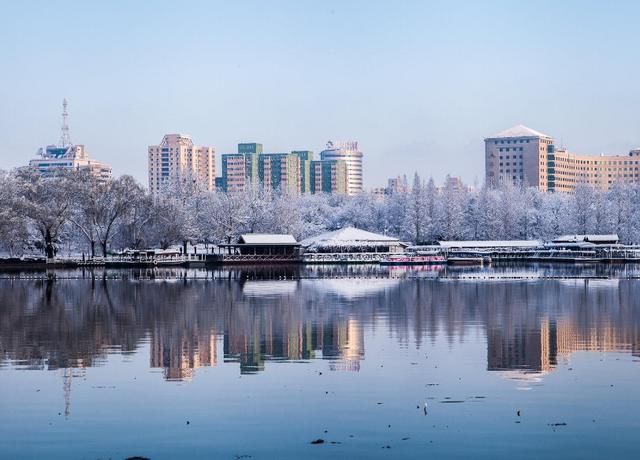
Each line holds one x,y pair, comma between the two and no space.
317,441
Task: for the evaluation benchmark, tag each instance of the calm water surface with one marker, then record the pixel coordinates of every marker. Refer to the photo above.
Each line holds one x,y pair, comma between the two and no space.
511,362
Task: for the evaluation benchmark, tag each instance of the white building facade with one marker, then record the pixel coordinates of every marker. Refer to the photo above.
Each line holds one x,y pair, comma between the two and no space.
349,153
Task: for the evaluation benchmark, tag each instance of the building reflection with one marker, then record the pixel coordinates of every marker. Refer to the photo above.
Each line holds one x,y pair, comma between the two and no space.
250,319
180,353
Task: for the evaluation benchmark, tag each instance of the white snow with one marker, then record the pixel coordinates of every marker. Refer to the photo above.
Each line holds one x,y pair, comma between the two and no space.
492,244
348,236
519,131
267,238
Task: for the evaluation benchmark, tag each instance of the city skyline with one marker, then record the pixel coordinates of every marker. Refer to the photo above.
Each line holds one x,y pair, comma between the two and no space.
426,108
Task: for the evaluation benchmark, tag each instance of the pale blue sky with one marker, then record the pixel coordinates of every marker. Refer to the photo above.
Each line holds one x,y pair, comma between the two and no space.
418,84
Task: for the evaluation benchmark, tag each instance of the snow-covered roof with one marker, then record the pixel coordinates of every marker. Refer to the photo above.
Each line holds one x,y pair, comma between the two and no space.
519,131
347,236
612,238
492,244
266,238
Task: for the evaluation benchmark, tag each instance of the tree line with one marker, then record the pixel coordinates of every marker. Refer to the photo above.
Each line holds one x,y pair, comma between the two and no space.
77,212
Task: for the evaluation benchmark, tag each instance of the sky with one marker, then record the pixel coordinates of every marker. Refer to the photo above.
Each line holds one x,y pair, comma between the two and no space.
418,84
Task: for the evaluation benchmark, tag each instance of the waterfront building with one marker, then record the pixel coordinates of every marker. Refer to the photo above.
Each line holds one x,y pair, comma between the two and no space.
305,158
177,157
329,176
352,240
67,156
522,155
349,153
279,171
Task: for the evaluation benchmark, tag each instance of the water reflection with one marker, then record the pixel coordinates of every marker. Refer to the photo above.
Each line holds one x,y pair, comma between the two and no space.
254,317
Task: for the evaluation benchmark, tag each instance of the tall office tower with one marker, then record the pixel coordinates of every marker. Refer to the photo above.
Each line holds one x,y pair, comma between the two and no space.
177,157
329,176
279,171
525,156
348,152
305,157
240,170
67,156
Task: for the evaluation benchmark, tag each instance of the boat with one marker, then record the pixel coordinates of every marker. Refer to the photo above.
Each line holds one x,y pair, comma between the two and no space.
468,258
465,260
410,259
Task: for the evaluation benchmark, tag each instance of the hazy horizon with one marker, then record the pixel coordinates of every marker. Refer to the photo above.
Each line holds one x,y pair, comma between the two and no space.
417,84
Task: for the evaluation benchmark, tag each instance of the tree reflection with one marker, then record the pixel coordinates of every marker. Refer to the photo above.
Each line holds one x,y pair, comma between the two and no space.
252,318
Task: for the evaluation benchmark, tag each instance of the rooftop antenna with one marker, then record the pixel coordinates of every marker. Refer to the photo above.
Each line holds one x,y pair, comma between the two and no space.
65,139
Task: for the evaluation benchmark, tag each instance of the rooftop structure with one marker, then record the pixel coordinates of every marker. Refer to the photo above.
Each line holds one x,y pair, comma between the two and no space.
67,156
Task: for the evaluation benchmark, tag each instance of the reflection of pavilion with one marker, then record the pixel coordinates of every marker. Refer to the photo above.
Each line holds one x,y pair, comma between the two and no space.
181,354
353,288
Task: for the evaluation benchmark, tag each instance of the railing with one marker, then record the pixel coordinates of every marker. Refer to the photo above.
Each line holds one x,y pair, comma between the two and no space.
356,257
258,258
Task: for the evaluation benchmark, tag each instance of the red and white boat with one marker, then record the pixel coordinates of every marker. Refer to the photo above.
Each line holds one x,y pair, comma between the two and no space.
417,259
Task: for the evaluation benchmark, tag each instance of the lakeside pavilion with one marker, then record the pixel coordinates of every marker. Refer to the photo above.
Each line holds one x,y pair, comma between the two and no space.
352,240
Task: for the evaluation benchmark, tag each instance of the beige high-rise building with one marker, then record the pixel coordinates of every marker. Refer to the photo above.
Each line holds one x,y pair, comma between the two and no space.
352,157
178,157
524,156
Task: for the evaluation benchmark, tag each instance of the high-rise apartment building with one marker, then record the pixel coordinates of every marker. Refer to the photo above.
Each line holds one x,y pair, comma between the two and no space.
279,171
305,157
239,170
523,155
329,176
177,157
295,172
349,153
67,156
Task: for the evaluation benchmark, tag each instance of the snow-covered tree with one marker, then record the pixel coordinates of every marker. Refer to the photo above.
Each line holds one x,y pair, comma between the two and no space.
14,233
47,203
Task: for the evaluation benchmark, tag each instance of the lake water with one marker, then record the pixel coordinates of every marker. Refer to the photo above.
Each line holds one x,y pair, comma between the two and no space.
511,362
